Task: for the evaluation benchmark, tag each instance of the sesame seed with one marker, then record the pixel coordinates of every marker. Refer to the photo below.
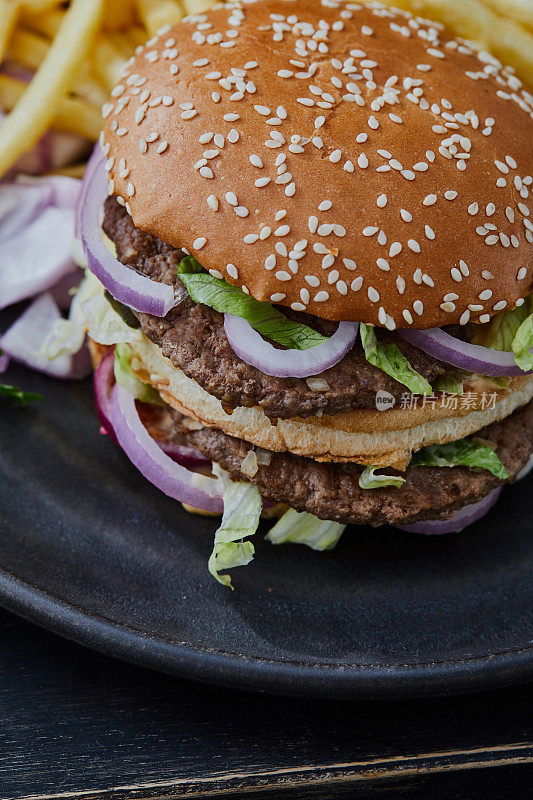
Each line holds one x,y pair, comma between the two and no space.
373,294
232,271
430,200
413,245
231,198
260,182
381,202
362,161
405,215
206,172
321,297
383,264
199,243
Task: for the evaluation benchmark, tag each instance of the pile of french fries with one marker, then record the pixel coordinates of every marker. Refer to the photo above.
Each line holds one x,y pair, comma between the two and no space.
61,59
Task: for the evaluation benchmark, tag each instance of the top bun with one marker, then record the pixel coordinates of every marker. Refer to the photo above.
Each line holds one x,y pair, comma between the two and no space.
347,160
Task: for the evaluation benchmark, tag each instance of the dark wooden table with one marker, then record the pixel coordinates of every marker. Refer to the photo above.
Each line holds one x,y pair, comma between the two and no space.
76,724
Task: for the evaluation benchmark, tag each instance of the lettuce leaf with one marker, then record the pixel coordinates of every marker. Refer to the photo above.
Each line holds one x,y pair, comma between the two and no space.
369,480
498,334
126,378
389,358
522,344
242,512
303,528
263,317
510,330
189,265
464,452
18,395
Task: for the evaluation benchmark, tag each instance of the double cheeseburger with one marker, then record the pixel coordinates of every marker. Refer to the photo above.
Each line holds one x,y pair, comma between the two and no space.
317,266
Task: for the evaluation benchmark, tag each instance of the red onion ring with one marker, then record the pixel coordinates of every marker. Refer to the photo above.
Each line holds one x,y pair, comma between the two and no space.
129,287
461,519
24,339
249,345
4,362
470,357
103,381
171,478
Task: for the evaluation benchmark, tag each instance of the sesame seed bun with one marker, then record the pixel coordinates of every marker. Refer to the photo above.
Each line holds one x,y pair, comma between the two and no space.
364,436
346,160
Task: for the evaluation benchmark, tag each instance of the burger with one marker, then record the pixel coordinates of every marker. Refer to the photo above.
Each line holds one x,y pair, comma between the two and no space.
309,237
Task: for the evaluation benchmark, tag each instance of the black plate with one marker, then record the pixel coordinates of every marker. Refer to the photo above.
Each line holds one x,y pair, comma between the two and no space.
89,549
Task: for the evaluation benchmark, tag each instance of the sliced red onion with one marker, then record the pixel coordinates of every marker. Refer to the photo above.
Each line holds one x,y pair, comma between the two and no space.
36,259
94,161
249,345
103,381
20,205
4,362
171,478
23,342
470,357
129,287
461,519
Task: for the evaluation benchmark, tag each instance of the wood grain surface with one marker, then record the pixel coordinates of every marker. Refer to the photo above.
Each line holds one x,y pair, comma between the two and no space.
76,724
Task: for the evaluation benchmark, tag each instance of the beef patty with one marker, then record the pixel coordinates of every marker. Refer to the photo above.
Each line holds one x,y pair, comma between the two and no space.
192,337
331,491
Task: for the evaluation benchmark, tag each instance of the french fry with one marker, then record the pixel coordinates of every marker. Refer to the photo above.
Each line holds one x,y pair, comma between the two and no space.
156,13
196,6
120,15
38,6
515,10
74,115
37,108
72,171
107,61
47,23
9,13
28,49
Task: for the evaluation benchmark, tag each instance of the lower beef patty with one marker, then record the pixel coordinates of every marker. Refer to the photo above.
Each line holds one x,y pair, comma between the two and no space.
331,491
192,337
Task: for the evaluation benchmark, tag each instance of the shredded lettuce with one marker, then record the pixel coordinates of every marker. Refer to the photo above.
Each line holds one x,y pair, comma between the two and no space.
242,512
389,358
263,317
451,383
369,480
522,344
126,378
464,452
90,312
303,528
